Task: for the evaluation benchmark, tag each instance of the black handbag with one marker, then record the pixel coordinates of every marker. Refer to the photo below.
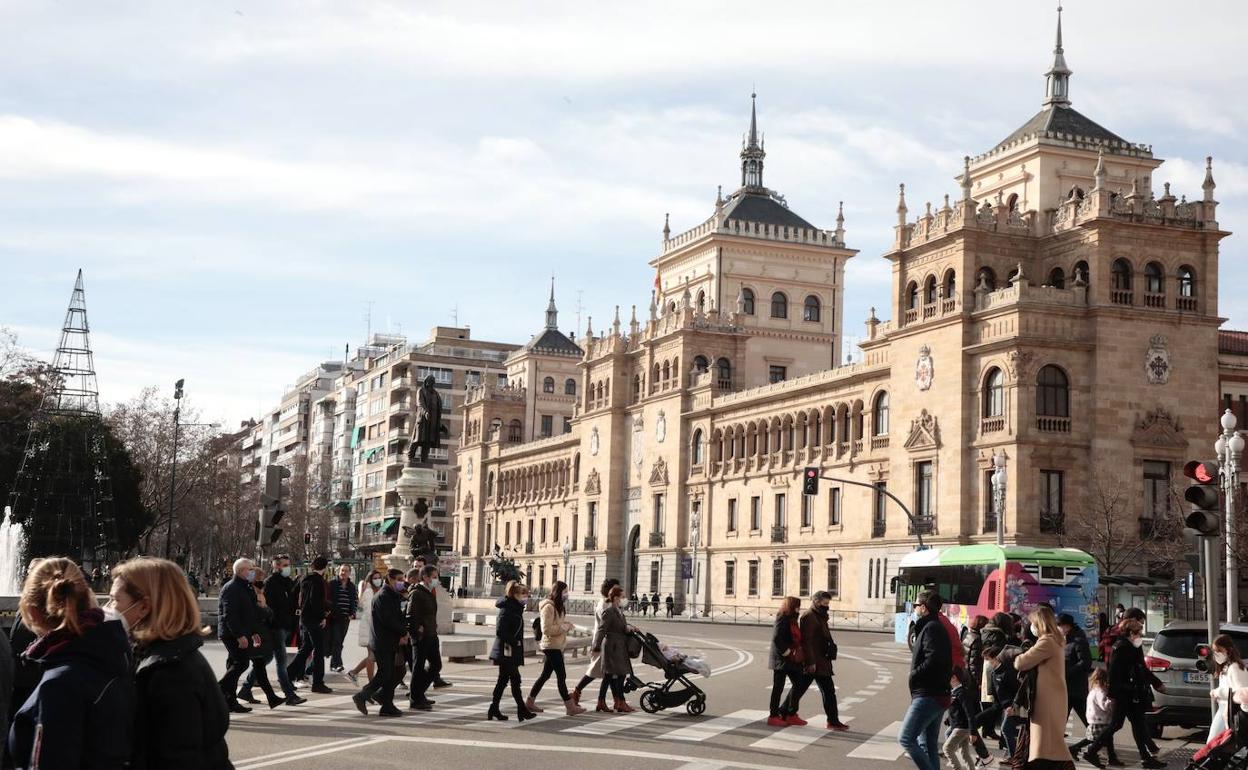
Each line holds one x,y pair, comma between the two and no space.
830,650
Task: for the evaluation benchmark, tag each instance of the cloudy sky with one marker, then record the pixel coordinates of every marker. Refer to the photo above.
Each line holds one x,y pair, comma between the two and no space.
245,183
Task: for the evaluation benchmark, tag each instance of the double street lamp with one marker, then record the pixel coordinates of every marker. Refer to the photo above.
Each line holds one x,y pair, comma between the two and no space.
173,471
998,493
1230,447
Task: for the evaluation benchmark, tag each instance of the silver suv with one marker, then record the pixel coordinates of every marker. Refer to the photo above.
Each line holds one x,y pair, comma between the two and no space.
1172,659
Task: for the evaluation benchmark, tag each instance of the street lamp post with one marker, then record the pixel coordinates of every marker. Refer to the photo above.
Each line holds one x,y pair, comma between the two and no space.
695,523
998,493
173,473
567,558
1230,447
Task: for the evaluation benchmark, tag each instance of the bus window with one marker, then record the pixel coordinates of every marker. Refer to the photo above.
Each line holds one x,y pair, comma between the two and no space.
993,603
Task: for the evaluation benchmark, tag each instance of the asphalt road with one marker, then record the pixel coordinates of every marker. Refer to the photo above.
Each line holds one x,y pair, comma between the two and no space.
327,732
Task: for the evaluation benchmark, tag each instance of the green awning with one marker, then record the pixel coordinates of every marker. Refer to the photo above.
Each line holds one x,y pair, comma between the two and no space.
389,526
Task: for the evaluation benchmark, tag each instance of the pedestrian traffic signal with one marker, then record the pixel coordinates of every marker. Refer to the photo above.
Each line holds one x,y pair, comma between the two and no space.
810,484
1205,518
272,505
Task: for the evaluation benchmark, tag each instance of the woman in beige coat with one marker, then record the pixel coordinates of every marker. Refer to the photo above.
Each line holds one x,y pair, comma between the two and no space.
1046,749
552,612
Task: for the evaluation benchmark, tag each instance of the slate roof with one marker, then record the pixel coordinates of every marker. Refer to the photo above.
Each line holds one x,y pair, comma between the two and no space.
553,341
760,207
1063,120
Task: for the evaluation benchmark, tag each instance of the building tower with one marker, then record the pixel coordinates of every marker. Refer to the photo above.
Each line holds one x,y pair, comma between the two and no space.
62,495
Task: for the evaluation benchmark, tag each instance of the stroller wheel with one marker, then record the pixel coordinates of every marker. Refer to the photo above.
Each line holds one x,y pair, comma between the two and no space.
697,705
650,702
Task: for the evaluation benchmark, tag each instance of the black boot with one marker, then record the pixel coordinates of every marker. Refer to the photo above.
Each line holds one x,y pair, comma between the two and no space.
495,713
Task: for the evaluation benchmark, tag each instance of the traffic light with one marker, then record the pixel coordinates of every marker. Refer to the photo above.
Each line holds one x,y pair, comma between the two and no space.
810,484
1205,517
272,506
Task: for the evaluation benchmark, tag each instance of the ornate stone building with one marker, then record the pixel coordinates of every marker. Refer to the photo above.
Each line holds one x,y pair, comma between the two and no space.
1055,309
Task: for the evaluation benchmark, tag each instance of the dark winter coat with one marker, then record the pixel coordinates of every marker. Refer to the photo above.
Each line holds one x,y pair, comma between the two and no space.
781,641
279,594
8,668
314,605
1130,681
964,709
612,641
509,633
389,625
345,599
1078,660
83,711
973,649
422,612
816,642
1003,684
182,717
931,664
238,611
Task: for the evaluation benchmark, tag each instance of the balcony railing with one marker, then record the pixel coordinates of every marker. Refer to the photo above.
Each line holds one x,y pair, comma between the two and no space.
779,534
1185,303
990,522
879,442
1053,424
923,525
1052,522
528,548
656,540
402,382
591,543
1121,296
1153,299
992,424
465,551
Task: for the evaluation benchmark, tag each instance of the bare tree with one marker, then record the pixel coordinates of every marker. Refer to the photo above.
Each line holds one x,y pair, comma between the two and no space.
1106,524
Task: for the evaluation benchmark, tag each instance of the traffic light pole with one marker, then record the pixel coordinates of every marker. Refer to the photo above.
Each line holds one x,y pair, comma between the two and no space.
914,524
1209,548
1230,446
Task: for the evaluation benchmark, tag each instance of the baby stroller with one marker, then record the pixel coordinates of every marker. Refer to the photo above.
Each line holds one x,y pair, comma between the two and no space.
674,690
1226,751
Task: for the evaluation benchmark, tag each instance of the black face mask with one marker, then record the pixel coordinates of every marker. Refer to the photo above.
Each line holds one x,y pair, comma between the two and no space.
820,609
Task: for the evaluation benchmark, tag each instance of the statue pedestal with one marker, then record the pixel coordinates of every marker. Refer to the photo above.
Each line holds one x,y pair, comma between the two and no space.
414,484
446,601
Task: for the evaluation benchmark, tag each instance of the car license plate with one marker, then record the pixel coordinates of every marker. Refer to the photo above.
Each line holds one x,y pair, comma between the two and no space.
1196,677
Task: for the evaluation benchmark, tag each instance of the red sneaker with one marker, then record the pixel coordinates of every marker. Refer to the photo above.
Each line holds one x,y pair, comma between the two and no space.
776,722
795,720
840,727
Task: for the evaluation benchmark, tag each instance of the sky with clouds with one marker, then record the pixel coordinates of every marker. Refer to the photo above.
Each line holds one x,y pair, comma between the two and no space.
242,183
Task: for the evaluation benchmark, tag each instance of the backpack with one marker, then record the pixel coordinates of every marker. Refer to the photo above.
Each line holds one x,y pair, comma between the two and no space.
537,628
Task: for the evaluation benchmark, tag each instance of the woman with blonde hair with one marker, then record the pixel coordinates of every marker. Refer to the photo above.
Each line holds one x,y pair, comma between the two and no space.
82,713
1046,747
182,714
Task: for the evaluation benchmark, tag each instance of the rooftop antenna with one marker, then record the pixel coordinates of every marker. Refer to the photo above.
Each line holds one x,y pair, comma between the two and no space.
579,294
455,315
368,321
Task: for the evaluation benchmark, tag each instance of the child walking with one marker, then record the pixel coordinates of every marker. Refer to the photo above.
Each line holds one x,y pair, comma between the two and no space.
963,710
1100,713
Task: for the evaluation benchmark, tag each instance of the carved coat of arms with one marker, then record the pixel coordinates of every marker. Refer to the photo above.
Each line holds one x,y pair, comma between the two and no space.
924,368
1157,361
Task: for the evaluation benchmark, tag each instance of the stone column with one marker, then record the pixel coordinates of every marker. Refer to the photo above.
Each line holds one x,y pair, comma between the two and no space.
414,485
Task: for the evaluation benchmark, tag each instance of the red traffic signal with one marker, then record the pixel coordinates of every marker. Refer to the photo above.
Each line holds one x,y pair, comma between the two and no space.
810,484
1202,472
1203,495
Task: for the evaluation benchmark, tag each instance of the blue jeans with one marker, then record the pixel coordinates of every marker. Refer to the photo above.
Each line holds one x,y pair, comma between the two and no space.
281,636
1009,731
920,732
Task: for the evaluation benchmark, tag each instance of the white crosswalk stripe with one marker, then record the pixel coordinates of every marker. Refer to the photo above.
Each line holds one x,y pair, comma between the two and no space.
618,723
882,745
715,726
795,738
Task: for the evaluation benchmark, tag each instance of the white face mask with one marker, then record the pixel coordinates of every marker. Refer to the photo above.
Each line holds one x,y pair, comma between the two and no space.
377,582
1219,657
1032,628
111,613
1138,641
286,571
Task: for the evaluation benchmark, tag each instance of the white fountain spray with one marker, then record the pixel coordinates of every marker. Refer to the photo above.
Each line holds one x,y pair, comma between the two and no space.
12,543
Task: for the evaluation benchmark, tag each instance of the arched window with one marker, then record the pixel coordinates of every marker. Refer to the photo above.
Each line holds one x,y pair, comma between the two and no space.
1081,272
779,305
747,301
695,449
1187,282
1154,279
1122,275
810,310
496,427
636,388
951,284
667,370
489,485
879,414
548,385
912,296
514,432
986,278
700,364
569,387
1052,393
929,291
671,307
994,393
701,302
1012,202
1057,278
724,373
576,468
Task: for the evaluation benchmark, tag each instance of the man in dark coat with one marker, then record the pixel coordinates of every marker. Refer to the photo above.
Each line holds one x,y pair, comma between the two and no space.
931,667
279,595
314,610
1078,668
818,651
671,605
238,627
389,634
422,623
1131,687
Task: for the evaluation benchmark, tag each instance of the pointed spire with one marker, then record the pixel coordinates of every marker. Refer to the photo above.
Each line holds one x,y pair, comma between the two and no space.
901,205
615,325
1057,79
1099,174
1208,184
752,153
667,227
552,313
632,323
719,197
654,306
589,327
966,178
840,221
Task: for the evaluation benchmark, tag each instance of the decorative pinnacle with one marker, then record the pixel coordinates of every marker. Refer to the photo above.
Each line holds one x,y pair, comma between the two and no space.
1208,184
966,177
667,230
1057,79
901,204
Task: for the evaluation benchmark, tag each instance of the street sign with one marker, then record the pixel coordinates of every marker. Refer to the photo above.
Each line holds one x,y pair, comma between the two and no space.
686,568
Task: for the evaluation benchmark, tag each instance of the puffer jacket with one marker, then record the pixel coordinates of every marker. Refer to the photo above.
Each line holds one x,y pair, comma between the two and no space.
83,711
931,665
784,637
509,633
182,716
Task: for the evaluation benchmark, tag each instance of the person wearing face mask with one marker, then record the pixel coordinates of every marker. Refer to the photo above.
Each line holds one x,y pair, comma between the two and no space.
1046,745
818,652
931,668
369,587
279,597
1130,688
182,717
314,612
261,654
1229,674
611,642
508,650
422,621
389,633
238,627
